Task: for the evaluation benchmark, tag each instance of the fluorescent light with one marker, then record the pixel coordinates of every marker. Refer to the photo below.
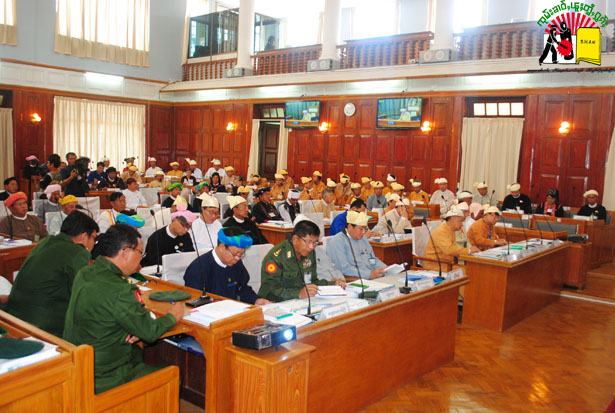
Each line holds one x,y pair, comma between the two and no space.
103,78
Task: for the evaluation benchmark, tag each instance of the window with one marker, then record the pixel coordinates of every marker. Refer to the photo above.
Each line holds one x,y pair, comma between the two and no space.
8,22
112,30
468,13
511,107
270,111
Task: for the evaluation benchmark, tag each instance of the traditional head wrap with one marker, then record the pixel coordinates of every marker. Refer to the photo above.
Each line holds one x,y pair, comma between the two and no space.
397,187
492,210
183,214
441,181
392,197
51,189
366,179
229,168
464,194
480,185
514,187
159,172
233,200
105,159
216,162
317,173
68,199
130,181
208,201
174,163
463,206
453,212
278,176
151,159
16,197
357,218
377,184
305,180
331,183
402,202
132,220
344,178
175,185
415,183
355,185
201,185
282,171
31,158
293,194
243,189
475,208
391,178
192,162
180,200
242,241
590,192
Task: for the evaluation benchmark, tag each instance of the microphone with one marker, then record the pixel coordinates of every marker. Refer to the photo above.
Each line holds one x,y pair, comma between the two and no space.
445,203
10,219
507,239
434,248
405,289
550,227
491,197
307,292
522,229
157,273
356,264
204,298
424,199
538,226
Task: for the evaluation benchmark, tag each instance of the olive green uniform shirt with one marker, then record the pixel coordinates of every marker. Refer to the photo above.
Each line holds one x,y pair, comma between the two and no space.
103,310
43,285
281,278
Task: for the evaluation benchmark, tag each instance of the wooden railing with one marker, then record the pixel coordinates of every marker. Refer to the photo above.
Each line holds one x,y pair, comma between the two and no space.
207,70
500,41
290,60
383,51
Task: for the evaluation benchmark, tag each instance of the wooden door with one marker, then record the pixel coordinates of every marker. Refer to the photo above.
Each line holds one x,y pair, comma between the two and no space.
269,133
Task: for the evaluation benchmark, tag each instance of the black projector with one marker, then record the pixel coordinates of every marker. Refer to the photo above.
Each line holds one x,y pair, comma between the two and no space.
264,336
579,238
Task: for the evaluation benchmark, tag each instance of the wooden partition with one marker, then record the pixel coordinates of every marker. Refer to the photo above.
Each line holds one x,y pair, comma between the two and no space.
11,259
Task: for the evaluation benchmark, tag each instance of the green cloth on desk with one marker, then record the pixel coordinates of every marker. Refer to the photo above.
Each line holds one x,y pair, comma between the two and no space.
280,274
104,309
42,289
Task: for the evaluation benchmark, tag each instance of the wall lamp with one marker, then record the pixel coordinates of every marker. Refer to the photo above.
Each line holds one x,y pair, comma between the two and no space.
426,126
35,118
323,127
564,128
230,126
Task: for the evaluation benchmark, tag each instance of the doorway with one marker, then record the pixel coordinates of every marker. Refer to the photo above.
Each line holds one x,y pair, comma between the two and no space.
269,133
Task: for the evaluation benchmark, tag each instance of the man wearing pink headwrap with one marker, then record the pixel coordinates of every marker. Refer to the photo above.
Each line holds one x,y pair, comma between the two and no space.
53,193
20,224
476,213
171,238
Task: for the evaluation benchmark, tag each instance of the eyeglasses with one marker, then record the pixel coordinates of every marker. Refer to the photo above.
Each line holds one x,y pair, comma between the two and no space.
143,254
238,255
311,244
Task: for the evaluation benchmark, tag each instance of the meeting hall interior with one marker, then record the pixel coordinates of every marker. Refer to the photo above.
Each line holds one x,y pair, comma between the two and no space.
322,206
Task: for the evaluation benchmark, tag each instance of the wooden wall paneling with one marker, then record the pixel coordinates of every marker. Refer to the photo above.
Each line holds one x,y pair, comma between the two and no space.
455,122
602,146
161,132
528,143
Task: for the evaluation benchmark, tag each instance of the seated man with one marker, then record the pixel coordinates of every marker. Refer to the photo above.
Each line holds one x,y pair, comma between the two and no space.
197,191
175,173
43,286
159,182
10,187
175,188
418,195
170,239
230,180
223,269
244,192
592,207
282,278
482,233
442,196
319,185
516,200
289,183
355,189
108,218
205,228
308,189
350,249
342,190
21,224
482,195
263,211
153,168
367,189
241,219
95,177
69,204
326,204
278,191
53,192
476,212
290,208
107,312
396,220
134,197
111,180
444,239
377,199
339,222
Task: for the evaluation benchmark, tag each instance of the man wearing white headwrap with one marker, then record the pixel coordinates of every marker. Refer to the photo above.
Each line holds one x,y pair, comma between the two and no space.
240,219
482,195
205,228
516,200
196,172
278,190
390,180
290,208
399,217
171,238
151,171
592,208
443,196
215,168
53,193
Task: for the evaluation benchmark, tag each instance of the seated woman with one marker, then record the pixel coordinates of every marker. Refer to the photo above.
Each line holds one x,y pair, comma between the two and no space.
551,206
215,184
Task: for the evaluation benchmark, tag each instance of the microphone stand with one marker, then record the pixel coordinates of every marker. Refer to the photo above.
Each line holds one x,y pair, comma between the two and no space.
405,289
9,217
507,239
157,273
538,226
356,264
523,229
307,292
205,299
491,197
434,248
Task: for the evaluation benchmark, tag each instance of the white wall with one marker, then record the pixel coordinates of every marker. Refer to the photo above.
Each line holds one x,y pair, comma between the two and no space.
503,11
35,36
413,16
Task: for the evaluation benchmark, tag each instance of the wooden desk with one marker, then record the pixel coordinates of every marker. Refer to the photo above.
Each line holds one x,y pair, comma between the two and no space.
577,265
500,293
517,234
11,259
104,198
275,234
388,254
362,355
213,340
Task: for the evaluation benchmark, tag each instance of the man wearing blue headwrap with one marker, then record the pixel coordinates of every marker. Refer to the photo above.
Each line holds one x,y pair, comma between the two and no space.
221,270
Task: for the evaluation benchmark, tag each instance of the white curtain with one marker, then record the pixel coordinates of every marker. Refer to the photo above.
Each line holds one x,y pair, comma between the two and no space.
96,129
8,22
7,165
283,147
608,198
112,30
490,152
253,155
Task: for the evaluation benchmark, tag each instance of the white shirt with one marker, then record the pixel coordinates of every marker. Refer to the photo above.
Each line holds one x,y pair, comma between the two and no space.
107,220
211,170
446,203
55,223
151,172
218,260
205,236
134,199
197,173
468,223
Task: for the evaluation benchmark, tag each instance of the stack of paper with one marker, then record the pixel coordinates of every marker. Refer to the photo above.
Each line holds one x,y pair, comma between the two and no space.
368,285
47,352
330,291
11,243
219,310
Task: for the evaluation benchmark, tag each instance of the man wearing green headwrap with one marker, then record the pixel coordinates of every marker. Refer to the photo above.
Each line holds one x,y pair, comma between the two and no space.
175,189
221,270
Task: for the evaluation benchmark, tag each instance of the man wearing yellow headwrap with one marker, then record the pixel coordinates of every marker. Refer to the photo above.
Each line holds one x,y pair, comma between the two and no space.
288,181
342,190
319,185
69,204
367,189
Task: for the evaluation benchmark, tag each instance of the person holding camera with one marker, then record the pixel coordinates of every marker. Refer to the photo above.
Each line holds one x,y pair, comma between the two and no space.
75,180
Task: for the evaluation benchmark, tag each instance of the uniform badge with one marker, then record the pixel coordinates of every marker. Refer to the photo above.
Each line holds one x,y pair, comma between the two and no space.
288,254
177,247
275,254
271,268
307,263
181,244
138,295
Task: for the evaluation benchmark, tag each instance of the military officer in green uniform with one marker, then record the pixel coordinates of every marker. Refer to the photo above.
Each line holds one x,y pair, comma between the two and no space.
281,278
107,312
43,285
